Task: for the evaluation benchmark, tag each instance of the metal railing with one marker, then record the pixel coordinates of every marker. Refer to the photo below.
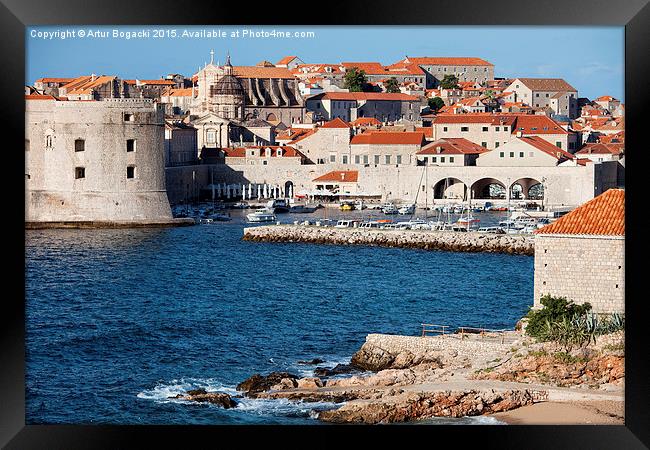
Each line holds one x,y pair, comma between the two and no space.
433,328
482,332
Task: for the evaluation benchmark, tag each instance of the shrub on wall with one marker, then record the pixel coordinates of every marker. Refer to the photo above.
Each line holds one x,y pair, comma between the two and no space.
554,311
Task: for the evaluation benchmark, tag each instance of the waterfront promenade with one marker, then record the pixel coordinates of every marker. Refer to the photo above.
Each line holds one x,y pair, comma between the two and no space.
416,239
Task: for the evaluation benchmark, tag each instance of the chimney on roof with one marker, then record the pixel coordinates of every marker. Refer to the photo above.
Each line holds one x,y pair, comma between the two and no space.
92,77
519,134
438,149
342,176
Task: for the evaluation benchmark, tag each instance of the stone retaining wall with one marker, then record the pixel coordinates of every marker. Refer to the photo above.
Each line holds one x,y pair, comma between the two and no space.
469,347
426,240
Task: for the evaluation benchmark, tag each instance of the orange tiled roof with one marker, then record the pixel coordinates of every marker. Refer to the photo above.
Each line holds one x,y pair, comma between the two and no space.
184,92
447,61
456,146
548,148
286,60
55,80
361,121
342,176
336,123
601,149
389,138
261,72
427,131
601,216
164,82
44,97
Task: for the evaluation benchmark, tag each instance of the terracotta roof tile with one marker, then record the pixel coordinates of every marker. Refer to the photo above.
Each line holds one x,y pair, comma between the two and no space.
336,123
547,84
389,138
342,176
602,216
261,72
456,146
447,61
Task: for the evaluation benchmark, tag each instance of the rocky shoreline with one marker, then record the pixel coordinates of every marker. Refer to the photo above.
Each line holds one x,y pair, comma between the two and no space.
414,239
408,378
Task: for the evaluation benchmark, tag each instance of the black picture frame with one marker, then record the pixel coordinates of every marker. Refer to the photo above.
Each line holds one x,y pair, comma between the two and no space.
634,15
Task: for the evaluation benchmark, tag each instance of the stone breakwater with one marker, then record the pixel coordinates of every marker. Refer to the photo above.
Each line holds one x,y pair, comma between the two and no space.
415,239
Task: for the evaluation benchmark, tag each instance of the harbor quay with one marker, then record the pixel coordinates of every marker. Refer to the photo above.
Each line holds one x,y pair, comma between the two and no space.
562,186
416,239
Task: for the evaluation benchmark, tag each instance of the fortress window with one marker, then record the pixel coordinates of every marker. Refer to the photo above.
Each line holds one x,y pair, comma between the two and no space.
365,159
496,145
484,144
129,117
48,141
79,145
451,159
521,154
357,159
558,144
345,159
485,128
501,154
79,172
130,145
399,159
387,159
130,172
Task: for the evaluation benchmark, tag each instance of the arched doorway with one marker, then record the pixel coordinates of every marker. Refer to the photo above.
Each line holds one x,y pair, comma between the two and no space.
288,189
271,117
488,189
451,188
527,189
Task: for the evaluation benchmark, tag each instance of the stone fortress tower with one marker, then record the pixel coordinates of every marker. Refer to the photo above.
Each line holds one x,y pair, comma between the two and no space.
95,163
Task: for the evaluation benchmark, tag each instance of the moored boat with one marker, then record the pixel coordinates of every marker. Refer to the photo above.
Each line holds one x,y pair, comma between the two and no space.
261,215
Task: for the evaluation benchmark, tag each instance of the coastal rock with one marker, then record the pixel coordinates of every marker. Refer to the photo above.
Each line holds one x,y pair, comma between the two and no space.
258,383
313,362
373,358
309,383
339,369
411,406
201,396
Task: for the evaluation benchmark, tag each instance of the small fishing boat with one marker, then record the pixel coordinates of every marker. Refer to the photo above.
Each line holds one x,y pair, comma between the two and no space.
346,206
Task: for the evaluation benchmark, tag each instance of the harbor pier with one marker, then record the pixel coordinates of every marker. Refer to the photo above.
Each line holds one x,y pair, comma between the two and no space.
415,239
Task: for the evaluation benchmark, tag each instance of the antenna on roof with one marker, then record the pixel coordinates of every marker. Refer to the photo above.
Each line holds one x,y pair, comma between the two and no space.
212,56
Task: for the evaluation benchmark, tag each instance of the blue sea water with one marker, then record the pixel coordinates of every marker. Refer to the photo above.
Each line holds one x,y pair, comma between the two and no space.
118,321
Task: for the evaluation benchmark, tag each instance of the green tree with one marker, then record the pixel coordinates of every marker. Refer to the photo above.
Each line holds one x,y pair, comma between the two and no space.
354,80
489,94
435,103
392,85
449,82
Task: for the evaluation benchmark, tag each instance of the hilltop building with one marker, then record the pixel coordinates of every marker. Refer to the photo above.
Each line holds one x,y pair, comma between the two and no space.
553,93
465,69
350,106
581,256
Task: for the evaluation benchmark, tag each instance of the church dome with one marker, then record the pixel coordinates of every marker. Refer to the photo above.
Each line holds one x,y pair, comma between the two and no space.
228,85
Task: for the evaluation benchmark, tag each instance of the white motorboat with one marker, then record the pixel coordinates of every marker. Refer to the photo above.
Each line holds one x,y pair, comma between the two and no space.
389,209
261,215
406,210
